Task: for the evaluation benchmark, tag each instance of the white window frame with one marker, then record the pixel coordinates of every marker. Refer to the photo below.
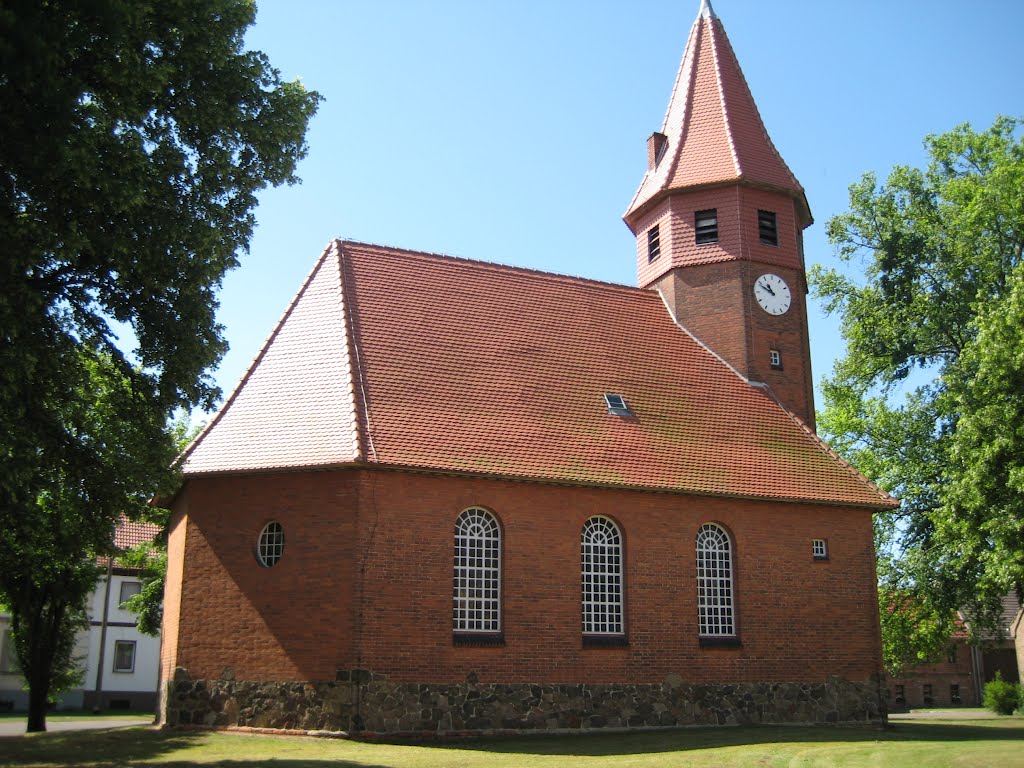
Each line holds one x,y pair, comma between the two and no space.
121,596
119,644
270,545
476,576
819,549
715,596
601,583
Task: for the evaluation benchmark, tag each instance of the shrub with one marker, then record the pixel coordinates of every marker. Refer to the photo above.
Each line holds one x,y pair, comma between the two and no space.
1001,697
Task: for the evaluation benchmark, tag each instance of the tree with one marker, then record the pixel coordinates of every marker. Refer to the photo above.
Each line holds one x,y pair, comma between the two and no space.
928,398
134,136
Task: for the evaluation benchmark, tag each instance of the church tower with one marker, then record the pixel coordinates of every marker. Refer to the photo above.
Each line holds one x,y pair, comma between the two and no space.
719,222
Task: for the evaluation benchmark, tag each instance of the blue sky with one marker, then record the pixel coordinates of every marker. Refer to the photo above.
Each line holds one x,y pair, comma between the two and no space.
516,132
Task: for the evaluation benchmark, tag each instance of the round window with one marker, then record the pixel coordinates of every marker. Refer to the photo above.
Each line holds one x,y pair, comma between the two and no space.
271,544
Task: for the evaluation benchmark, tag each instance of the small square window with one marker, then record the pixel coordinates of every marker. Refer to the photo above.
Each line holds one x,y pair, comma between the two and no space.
617,405
819,549
775,359
705,224
653,243
767,228
124,656
129,589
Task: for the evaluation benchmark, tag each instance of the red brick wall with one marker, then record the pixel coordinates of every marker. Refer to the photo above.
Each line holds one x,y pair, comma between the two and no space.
289,622
799,620
951,669
709,287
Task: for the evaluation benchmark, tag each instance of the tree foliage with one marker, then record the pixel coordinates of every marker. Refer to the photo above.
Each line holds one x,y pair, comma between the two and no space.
928,399
134,137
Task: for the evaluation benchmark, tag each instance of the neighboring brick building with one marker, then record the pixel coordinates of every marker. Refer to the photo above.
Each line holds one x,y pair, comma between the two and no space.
948,681
451,495
959,677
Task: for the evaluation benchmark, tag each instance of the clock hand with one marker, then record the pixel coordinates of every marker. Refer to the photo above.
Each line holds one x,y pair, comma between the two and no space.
768,288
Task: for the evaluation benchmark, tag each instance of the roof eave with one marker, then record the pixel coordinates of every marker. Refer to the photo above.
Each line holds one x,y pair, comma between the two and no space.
879,506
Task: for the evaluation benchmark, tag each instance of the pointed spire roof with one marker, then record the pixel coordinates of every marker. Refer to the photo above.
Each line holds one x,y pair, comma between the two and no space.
712,131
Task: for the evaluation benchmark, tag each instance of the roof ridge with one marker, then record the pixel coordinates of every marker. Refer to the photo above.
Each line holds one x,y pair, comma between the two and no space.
832,454
723,103
753,104
355,359
226,405
495,266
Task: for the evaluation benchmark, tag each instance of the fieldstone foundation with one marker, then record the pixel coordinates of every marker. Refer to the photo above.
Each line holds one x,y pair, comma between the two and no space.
361,702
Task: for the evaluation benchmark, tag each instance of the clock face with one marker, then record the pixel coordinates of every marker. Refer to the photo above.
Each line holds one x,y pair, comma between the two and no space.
772,294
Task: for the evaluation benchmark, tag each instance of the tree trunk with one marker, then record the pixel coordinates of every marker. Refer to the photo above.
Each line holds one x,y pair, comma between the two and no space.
38,693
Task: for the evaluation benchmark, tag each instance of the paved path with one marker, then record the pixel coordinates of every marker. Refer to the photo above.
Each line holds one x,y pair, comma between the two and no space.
16,727
970,713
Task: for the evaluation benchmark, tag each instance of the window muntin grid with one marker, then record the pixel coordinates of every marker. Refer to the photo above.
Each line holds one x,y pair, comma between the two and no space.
124,655
476,596
819,549
271,545
714,582
601,577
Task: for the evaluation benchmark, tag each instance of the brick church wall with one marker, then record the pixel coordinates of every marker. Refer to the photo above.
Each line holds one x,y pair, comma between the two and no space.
366,580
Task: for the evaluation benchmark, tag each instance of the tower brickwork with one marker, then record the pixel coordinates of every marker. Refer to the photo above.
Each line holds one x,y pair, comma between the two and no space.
719,221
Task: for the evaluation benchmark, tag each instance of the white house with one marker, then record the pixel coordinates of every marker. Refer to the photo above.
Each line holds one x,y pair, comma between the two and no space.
121,664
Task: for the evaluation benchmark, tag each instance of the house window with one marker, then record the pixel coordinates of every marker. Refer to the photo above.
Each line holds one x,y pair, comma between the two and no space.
8,657
901,695
767,229
951,654
601,577
705,224
129,589
477,573
819,548
714,582
124,655
271,544
775,359
926,691
653,243
954,693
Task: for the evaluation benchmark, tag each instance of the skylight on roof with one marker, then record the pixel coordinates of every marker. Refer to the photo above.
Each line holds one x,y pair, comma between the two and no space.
617,405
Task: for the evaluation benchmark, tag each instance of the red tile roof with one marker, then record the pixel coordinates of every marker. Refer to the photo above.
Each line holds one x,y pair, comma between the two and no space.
714,130
130,534
296,405
416,360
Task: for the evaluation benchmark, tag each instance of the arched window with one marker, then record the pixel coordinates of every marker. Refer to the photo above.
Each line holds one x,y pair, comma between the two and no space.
601,577
476,598
271,544
714,582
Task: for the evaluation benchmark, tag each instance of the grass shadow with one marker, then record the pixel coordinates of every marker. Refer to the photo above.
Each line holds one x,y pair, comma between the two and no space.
691,739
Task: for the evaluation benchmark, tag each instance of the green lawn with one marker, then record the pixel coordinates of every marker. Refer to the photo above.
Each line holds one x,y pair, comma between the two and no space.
990,741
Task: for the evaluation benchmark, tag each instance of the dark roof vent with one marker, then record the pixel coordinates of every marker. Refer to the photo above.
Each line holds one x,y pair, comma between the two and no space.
617,405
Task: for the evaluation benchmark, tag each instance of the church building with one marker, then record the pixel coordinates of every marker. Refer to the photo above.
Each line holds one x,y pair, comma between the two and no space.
454,496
